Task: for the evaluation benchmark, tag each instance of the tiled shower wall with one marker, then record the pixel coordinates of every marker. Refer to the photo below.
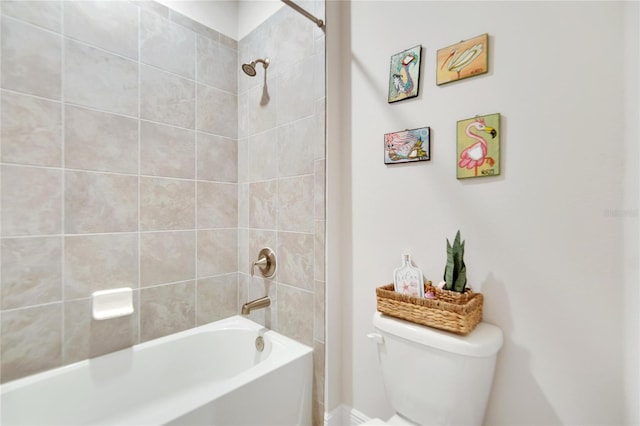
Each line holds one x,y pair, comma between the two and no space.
281,175
118,169
125,129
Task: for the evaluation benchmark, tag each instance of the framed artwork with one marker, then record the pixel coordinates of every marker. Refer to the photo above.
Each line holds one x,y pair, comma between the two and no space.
478,141
461,60
407,146
404,74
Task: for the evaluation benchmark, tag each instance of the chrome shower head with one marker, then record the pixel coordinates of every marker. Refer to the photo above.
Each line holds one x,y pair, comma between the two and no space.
250,68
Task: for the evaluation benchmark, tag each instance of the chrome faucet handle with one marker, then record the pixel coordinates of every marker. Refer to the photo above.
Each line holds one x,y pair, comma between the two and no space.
266,263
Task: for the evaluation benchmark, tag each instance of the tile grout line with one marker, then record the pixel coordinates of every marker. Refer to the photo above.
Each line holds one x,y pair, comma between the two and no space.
195,125
63,162
1,312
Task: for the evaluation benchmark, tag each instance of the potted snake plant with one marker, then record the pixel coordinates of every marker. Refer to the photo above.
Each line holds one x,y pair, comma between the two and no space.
455,272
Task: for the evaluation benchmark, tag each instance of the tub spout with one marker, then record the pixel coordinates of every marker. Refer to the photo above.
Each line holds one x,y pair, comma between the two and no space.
256,304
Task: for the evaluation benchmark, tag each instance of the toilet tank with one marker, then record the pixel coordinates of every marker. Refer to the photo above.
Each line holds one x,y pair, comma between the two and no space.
433,377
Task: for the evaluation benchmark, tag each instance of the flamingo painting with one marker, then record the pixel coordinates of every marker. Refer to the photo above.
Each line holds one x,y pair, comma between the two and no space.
464,59
403,78
475,150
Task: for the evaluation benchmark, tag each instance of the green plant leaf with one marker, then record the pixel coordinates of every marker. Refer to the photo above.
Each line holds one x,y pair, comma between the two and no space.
449,268
455,273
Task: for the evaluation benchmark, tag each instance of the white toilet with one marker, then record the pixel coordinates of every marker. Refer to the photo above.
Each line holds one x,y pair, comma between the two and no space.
433,377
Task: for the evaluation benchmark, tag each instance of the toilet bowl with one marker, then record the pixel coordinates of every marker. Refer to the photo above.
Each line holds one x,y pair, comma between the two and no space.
434,377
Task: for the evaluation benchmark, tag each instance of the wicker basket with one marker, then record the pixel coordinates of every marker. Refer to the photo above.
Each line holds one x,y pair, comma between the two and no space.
460,316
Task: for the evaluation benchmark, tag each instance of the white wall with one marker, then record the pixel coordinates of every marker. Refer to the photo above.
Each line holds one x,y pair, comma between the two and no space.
629,210
221,15
545,243
233,18
252,13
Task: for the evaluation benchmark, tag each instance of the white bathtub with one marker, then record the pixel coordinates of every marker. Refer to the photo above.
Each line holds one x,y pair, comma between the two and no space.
209,375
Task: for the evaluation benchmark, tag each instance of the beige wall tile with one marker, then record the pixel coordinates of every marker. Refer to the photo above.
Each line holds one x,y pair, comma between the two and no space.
217,252
295,255
295,204
318,311
167,151
318,60
112,26
100,141
31,201
167,45
166,98
319,132
31,341
243,115
295,313
258,287
217,298
295,148
243,205
263,156
243,250
167,257
194,26
243,160
262,204
31,130
99,262
104,101
318,376
31,59
319,250
167,309
217,65
152,6
100,202
259,239
217,112
258,44
229,42
85,337
31,271
319,189
217,158
100,80
293,103
46,14
262,104
294,38
217,205
167,204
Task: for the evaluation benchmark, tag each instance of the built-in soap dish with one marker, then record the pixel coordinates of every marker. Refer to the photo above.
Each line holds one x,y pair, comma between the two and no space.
114,303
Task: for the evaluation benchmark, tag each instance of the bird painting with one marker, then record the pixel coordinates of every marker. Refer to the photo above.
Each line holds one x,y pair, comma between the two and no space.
404,73
457,63
461,60
403,82
478,148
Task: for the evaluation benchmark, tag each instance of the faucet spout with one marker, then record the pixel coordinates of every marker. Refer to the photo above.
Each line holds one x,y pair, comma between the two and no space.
263,302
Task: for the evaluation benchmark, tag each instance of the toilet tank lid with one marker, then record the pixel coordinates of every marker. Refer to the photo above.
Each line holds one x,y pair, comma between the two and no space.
485,340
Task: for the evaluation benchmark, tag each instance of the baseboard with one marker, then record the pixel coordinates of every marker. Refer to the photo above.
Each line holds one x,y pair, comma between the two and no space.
344,415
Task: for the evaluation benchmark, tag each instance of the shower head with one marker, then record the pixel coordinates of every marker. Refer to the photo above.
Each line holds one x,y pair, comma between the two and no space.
250,68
